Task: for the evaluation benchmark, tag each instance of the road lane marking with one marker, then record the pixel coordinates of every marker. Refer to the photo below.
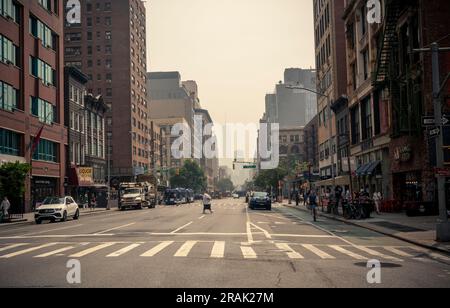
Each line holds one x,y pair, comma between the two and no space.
182,227
58,229
12,246
123,251
398,252
21,252
248,252
291,253
249,233
155,250
185,249
266,234
91,250
347,252
318,252
54,252
116,228
377,254
201,217
218,250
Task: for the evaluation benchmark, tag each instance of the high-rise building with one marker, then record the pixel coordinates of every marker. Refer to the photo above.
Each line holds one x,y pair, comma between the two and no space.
331,79
32,96
109,46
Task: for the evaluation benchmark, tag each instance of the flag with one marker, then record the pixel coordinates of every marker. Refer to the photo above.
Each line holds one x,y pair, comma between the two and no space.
36,141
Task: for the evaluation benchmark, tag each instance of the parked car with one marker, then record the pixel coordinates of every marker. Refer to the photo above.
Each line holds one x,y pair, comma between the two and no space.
55,208
198,197
236,196
260,200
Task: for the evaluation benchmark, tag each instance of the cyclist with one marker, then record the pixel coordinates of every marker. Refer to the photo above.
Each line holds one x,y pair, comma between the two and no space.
313,203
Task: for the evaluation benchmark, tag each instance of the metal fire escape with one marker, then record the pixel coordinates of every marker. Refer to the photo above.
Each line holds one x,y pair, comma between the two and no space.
388,41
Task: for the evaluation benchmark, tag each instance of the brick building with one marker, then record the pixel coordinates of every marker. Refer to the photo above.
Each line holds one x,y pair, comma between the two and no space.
32,95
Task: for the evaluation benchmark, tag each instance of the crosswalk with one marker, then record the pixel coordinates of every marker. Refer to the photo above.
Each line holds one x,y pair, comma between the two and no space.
216,250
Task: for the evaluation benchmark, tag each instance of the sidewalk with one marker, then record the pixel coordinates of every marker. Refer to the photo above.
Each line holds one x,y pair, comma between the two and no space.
419,231
29,217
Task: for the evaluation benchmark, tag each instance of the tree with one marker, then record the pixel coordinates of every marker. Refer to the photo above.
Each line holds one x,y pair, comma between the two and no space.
12,182
190,176
270,178
225,185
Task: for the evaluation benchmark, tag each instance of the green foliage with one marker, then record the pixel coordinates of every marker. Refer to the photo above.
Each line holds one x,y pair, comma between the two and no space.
270,178
12,181
225,185
190,176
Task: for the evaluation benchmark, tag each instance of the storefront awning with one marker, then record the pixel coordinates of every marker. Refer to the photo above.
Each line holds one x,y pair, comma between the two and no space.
367,169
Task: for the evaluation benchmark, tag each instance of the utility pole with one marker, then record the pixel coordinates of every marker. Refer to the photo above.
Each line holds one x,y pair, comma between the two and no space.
109,171
443,225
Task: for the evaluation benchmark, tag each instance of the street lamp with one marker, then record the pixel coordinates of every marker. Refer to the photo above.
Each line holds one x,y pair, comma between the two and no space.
333,176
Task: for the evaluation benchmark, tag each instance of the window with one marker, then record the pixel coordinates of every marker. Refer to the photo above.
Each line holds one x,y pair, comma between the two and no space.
42,70
108,49
108,35
363,20
8,97
45,4
365,55
108,21
89,21
366,117
108,6
46,151
355,125
9,9
10,142
8,51
44,110
108,92
108,63
41,31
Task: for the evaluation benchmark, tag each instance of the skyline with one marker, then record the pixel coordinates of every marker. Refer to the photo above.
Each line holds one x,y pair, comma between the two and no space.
240,37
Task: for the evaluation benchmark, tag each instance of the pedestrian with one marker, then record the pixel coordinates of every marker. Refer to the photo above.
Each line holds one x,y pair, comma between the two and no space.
377,197
297,198
4,208
93,202
305,198
207,203
313,203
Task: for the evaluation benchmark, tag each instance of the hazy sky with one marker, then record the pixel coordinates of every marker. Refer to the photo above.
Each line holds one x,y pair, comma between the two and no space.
236,50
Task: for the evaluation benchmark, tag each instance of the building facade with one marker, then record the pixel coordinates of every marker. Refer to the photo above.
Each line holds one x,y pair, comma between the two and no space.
32,96
109,46
331,79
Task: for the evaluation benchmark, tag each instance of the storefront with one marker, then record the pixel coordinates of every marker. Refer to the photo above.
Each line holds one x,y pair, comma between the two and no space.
43,187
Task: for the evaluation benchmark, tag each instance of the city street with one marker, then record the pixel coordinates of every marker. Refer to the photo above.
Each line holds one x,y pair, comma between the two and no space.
232,248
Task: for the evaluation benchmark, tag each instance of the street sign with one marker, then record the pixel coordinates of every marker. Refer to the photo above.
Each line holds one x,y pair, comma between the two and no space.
429,120
435,132
444,172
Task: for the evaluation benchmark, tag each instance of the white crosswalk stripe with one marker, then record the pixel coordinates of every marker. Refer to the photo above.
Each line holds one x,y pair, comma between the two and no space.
318,252
22,252
55,252
91,250
157,249
185,249
123,251
12,246
218,250
378,254
291,253
347,252
248,252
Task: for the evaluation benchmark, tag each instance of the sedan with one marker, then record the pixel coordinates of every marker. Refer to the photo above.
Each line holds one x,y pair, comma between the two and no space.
260,200
54,208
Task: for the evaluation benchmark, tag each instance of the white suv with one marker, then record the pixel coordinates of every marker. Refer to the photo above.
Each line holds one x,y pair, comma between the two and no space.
54,208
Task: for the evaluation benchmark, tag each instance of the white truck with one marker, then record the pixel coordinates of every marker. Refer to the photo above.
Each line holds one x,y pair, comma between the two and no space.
136,196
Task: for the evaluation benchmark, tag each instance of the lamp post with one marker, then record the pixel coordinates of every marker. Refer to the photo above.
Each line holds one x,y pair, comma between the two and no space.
108,136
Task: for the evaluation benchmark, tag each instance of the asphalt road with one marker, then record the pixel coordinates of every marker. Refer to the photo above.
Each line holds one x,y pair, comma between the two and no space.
179,247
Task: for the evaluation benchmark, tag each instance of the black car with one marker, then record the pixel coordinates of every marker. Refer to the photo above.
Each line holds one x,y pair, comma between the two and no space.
260,200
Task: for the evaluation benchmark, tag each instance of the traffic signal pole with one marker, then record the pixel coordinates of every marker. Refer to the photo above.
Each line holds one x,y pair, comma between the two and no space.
443,225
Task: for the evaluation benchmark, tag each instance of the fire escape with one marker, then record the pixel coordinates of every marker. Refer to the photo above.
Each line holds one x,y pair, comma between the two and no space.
388,42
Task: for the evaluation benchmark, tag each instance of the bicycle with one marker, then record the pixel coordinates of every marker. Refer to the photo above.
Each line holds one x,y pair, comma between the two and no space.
353,210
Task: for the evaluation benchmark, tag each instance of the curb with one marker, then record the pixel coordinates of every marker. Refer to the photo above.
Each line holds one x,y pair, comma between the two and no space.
26,221
437,249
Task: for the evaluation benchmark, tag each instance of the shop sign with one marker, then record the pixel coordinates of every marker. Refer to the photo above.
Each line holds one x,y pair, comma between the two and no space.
85,176
403,154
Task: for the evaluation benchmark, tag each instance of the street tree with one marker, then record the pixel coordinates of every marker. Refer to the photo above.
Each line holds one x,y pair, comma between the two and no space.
12,182
225,185
190,176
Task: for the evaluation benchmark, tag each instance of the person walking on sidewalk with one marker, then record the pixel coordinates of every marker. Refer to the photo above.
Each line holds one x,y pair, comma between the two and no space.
377,198
4,208
313,203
